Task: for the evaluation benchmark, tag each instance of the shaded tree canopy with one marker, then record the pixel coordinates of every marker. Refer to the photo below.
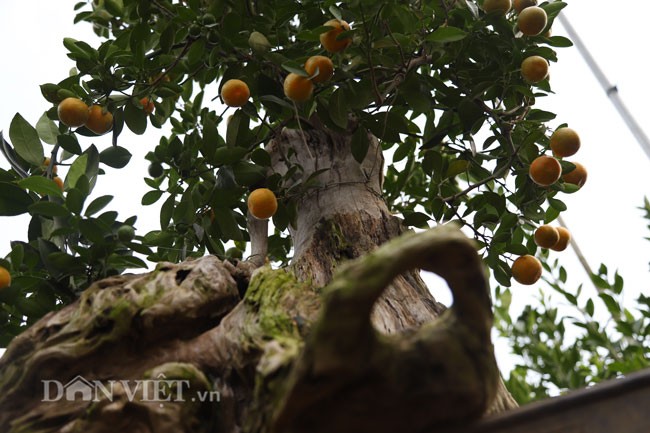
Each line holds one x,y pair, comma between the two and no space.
437,82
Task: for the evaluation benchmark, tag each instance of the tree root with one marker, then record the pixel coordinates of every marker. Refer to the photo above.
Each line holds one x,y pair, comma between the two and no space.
283,355
120,328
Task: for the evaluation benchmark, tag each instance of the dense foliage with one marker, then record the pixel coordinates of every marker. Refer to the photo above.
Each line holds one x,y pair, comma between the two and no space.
438,82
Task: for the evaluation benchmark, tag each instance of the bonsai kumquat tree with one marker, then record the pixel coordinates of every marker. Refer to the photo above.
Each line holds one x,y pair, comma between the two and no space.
345,125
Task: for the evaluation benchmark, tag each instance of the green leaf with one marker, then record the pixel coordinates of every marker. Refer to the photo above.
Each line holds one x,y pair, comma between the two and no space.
126,262
66,263
49,92
92,231
589,308
618,284
557,204
26,141
540,115
166,211
405,149
416,219
336,12
13,200
501,273
470,113
553,8
275,100
551,214
338,108
360,144
559,41
118,124
473,8
196,53
457,167
151,197
47,130
98,204
74,200
77,169
228,224
229,155
247,174
312,35
261,157
447,34
610,302
295,68
135,118
84,170
238,129
115,156
414,94
167,38
69,143
520,250
41,185
17,254
114,7
48,209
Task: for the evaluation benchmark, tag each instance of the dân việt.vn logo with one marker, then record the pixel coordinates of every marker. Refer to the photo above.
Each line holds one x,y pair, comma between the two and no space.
158,390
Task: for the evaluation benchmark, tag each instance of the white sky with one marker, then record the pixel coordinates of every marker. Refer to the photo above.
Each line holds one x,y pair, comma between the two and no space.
603,216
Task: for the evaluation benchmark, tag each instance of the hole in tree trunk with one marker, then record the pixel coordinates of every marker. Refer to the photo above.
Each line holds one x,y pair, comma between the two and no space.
181,275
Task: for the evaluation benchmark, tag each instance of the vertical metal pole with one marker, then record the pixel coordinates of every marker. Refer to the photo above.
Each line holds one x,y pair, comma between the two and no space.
612,93
578,251
610,89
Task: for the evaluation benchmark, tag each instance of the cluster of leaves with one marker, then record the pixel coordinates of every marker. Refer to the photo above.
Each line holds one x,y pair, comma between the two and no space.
585,341
71,242
428,78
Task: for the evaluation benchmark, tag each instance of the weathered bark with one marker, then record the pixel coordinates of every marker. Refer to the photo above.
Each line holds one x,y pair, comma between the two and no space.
370,356
345,218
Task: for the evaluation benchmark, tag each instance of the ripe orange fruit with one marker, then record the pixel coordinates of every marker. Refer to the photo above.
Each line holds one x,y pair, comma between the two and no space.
527,269
565,238
534,69
147,105
5,278
545,170
497,6
59,182
99,121
328,39
546,236
324,65
565,142
532,21
235,93
46,164
72,112
577,176
298,88
262,203
520,5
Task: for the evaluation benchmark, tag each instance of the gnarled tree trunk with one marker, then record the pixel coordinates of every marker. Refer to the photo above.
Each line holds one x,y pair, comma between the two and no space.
342,340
